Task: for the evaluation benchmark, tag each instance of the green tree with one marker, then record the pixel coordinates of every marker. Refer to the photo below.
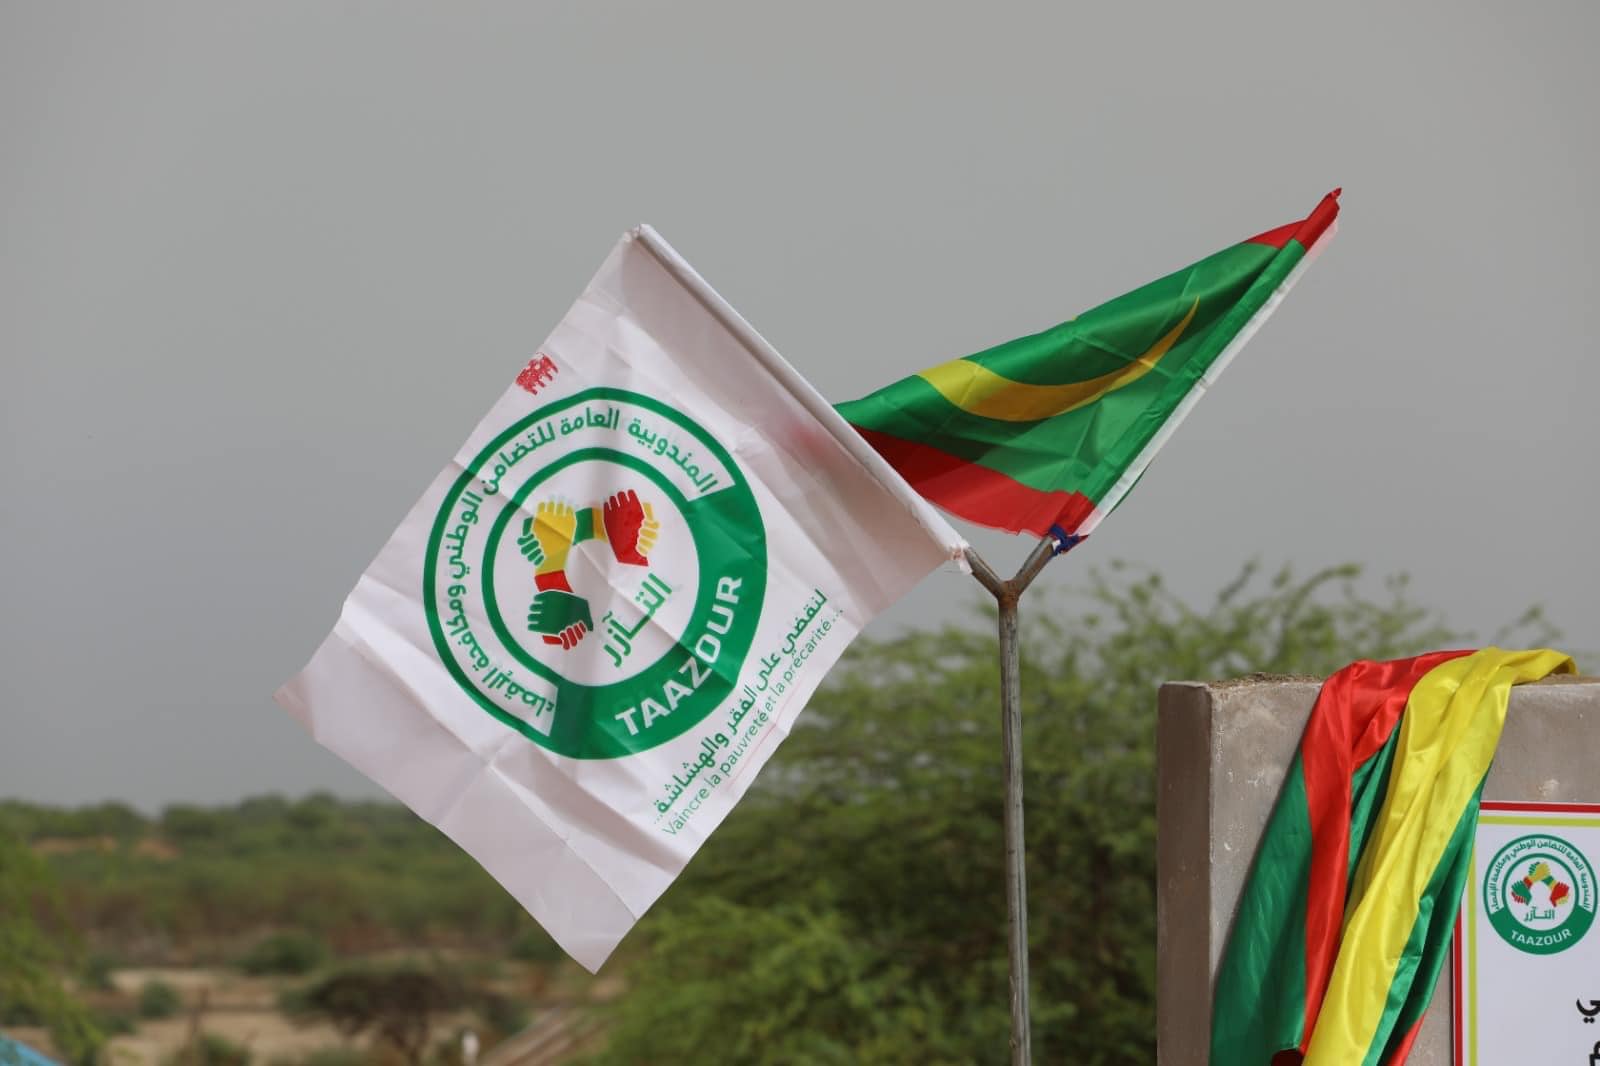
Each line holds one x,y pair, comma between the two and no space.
851,910
397,1005
37,946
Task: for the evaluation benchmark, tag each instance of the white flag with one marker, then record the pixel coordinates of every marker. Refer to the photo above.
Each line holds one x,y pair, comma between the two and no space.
603,616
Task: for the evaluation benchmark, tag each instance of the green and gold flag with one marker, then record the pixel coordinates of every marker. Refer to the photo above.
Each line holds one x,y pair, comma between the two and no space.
1046,434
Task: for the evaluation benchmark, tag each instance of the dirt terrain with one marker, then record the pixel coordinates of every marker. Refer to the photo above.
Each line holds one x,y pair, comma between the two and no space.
244,1011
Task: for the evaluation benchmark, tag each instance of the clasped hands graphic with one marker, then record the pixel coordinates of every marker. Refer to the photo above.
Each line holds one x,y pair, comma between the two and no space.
557,613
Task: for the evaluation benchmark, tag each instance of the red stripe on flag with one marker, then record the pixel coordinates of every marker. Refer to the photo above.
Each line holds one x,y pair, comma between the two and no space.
977,493
1403,1049
1356,711
1307,230
1455,987
1540,807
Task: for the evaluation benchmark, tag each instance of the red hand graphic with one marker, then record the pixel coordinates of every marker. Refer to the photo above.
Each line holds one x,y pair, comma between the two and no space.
568,638
631,528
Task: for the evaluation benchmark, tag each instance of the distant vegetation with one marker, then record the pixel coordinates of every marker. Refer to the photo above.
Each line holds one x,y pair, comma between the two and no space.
37,946
270,885
301,891
849,911
157,999
293,952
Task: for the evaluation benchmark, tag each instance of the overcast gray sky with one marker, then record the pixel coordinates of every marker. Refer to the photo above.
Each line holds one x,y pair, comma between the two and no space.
263,267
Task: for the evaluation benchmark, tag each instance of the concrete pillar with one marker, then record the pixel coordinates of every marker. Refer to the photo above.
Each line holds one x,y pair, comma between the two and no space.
1222,750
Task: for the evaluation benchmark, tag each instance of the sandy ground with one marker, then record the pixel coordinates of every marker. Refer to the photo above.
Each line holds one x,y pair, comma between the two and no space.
267,1035
242,1009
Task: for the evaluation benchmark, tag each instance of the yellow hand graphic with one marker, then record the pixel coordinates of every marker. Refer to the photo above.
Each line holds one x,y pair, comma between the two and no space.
649,530
553,526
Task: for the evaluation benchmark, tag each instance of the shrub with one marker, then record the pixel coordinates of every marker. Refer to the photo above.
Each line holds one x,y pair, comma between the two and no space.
327,1056
38,944
335,1056
97,970
397,1005
534,945
114,1023
502,1015
293,953
210,1050
157,999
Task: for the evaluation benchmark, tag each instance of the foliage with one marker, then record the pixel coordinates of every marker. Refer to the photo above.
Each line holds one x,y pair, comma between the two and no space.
327,1056
100,822
848,911
399,1002
210,1049
158,999
533,944
501,1015
98,970
397,1005
335,1056
114,1022
851,911
37,945
290,953
203,885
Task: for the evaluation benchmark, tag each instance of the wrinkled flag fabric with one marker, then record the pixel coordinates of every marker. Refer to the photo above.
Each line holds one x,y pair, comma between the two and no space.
605,613
1347,914
1047,433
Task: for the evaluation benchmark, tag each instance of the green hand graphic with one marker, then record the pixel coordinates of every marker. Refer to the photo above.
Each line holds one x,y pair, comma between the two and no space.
561,617
528,543
558,614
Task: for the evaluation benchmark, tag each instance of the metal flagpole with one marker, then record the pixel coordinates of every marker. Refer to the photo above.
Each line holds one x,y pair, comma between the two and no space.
1006,594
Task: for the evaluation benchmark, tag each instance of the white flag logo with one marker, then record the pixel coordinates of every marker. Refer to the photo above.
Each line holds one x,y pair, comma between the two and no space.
586,638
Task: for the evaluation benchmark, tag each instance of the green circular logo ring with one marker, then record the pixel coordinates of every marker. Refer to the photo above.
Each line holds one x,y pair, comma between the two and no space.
517,501
521,683
1539,894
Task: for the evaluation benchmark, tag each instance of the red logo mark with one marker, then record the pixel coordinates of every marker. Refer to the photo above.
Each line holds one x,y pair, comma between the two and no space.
538,373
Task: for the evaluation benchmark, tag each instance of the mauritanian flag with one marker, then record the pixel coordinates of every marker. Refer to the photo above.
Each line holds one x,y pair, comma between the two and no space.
1347,915
609,607
1046,434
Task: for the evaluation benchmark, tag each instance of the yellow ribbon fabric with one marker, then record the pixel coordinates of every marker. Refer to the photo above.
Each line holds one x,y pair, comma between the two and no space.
1448,736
